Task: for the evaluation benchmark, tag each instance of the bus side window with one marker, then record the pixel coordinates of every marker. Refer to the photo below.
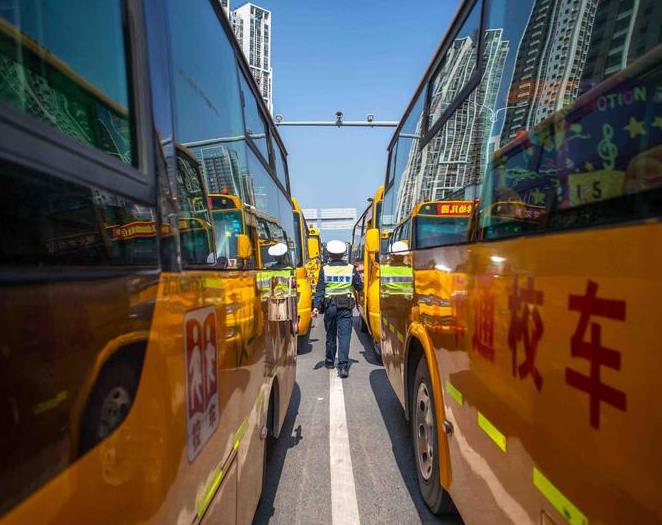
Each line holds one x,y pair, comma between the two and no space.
602,167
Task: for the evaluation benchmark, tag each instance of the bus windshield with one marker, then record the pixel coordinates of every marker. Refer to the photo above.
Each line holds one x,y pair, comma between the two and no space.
438,231
227,224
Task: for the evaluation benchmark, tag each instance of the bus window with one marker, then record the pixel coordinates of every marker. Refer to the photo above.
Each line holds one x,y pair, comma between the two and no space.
441,223
195,231
586,168
437,231
256,129
81,90
227,225
279,165
447,83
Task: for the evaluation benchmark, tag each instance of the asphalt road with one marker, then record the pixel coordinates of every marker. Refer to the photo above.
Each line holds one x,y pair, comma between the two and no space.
299,473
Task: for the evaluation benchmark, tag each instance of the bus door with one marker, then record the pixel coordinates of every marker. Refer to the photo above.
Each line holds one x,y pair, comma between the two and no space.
396,291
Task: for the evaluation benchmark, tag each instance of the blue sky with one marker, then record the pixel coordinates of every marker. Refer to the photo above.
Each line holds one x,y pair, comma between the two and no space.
358,56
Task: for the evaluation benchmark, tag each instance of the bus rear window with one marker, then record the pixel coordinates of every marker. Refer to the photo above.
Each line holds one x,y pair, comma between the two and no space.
439,231
227,225
66,64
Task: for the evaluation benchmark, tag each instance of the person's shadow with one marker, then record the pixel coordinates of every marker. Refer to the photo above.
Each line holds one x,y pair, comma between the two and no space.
367,343
305,344
289,438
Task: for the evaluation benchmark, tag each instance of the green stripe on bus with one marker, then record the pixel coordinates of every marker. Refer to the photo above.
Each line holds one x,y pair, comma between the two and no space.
454,393
492,431
209,493
240,433
562,504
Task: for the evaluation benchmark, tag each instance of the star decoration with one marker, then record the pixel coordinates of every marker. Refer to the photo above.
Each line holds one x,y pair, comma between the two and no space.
657,123
635,127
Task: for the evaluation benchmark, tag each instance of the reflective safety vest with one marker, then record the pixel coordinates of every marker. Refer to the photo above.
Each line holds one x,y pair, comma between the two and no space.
281,286
338,280
396,280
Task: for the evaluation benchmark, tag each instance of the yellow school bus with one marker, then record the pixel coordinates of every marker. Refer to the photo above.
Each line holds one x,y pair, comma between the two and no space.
367,264
519,335
304,255
314,261
147,358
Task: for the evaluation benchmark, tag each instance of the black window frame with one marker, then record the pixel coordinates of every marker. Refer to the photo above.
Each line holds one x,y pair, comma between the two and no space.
31,143
430,131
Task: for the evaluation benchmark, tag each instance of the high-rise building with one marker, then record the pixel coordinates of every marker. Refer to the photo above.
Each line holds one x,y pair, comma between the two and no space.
251,25
550,62
623,30
453,163
223,171
225,4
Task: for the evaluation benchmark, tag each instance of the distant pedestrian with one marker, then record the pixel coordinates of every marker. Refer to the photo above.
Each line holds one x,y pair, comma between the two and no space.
334,297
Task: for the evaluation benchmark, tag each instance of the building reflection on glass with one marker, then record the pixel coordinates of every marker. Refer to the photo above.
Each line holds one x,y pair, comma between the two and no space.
537,57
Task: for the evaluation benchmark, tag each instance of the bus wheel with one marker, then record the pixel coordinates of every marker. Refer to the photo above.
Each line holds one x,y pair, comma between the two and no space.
109,403
424,440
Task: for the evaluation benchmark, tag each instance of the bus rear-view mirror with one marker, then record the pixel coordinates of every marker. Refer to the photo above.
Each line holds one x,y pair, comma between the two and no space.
244,248
313,248
372,240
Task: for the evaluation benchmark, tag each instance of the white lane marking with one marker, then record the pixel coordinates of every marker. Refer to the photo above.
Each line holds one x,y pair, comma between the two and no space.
344,507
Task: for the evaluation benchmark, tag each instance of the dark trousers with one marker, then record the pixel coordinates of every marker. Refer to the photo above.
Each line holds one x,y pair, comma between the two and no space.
338,325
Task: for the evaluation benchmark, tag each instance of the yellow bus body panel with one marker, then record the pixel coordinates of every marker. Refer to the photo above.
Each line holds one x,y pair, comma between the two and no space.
305,301
142,472
546,350
368,306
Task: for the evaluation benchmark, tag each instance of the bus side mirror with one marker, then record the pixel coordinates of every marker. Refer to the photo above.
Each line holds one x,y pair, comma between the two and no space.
372,240
313,248
244,248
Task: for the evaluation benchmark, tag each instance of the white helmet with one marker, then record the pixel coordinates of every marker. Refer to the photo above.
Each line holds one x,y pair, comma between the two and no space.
336,247
278,250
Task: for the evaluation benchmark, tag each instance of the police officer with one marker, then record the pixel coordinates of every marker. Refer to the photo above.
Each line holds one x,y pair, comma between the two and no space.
334,297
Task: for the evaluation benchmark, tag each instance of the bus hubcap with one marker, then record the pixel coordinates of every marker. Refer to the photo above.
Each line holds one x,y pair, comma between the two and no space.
114,409
424,432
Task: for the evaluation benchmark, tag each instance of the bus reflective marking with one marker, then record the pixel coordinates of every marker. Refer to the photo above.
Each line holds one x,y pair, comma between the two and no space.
454,393
562,504
209,493
492,431
51,403
239,434
344,507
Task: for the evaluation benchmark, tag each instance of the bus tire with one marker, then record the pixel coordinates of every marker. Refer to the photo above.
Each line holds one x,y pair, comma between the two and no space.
110,402
424,442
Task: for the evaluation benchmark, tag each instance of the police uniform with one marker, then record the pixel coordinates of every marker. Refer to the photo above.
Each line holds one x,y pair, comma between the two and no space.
333,296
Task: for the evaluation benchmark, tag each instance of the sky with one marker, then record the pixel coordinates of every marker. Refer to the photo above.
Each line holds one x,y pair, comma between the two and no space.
356,56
